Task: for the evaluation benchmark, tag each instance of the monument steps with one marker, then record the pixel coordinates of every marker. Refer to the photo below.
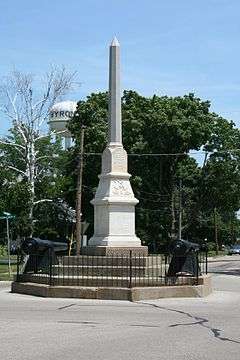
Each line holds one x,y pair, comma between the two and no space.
112,260
104,270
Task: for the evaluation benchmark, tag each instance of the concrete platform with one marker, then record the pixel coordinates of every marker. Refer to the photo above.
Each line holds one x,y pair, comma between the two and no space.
115,293
89,280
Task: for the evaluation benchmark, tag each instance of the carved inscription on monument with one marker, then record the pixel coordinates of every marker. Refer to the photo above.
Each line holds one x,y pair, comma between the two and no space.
119,160
120,188
126,225
114,160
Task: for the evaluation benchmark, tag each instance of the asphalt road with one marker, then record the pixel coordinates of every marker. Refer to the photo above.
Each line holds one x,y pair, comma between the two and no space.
180,329
226,274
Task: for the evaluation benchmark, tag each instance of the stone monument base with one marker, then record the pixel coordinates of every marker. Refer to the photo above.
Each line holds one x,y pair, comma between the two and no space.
114,250
116,293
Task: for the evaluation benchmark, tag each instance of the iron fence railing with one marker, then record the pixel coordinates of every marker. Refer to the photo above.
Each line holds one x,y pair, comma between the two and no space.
113,271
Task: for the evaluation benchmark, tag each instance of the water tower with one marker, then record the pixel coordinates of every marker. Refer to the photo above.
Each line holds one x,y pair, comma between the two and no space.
59,115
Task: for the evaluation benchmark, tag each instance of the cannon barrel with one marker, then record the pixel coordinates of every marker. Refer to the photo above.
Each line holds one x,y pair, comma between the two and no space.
182,247
37,246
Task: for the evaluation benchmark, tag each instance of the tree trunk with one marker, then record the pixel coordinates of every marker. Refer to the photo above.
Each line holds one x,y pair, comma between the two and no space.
216,231
79,197
31,179
173,217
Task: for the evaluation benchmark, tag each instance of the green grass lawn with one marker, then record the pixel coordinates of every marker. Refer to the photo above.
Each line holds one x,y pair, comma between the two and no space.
4,274
220,253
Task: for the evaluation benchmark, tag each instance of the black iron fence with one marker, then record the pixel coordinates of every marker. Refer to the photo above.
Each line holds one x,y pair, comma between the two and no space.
113,271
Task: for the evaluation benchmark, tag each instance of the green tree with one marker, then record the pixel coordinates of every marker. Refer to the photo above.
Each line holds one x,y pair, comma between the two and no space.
157,125
27,152
15,194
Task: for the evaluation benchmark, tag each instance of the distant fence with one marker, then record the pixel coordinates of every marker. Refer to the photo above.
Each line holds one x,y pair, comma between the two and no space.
113,271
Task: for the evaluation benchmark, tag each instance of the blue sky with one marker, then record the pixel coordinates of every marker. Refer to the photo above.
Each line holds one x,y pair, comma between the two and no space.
168,47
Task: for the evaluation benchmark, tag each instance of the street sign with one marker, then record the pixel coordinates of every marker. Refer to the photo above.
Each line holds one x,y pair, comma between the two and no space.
84,227
7,215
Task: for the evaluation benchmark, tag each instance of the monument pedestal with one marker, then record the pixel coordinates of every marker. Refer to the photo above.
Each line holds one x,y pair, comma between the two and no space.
114,208
115,251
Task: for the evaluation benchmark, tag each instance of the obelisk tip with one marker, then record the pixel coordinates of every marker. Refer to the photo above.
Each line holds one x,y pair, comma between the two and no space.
115,42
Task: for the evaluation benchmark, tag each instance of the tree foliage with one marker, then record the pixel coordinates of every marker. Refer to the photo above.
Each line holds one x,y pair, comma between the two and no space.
158,134
28,157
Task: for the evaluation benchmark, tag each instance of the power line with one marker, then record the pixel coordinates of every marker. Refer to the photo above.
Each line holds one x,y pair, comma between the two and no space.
162,210
154,194
174,154
154,201
146,154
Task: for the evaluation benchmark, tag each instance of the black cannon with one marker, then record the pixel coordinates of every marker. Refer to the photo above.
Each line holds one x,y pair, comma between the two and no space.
41,253
184,258
37,246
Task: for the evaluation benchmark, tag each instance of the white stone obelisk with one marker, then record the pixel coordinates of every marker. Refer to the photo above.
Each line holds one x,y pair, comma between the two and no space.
114,202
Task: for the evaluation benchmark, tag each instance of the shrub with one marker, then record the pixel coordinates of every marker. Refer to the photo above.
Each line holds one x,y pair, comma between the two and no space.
3,250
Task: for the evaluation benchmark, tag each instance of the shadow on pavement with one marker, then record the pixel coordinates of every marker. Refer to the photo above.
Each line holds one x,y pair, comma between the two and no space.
233,272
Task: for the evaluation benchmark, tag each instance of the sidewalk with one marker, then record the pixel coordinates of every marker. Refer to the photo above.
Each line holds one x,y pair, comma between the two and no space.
5,284
223,258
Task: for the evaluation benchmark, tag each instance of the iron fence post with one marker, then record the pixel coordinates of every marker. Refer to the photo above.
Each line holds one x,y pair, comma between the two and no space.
165,269
130,269
50,266
206,261
17,277
197,272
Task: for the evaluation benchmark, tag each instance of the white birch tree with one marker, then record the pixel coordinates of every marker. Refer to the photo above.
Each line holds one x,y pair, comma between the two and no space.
25,152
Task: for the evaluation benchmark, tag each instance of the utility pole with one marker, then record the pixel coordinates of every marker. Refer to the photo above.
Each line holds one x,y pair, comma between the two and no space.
8,242
216,230
79,195
232,229
180,211
6,216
